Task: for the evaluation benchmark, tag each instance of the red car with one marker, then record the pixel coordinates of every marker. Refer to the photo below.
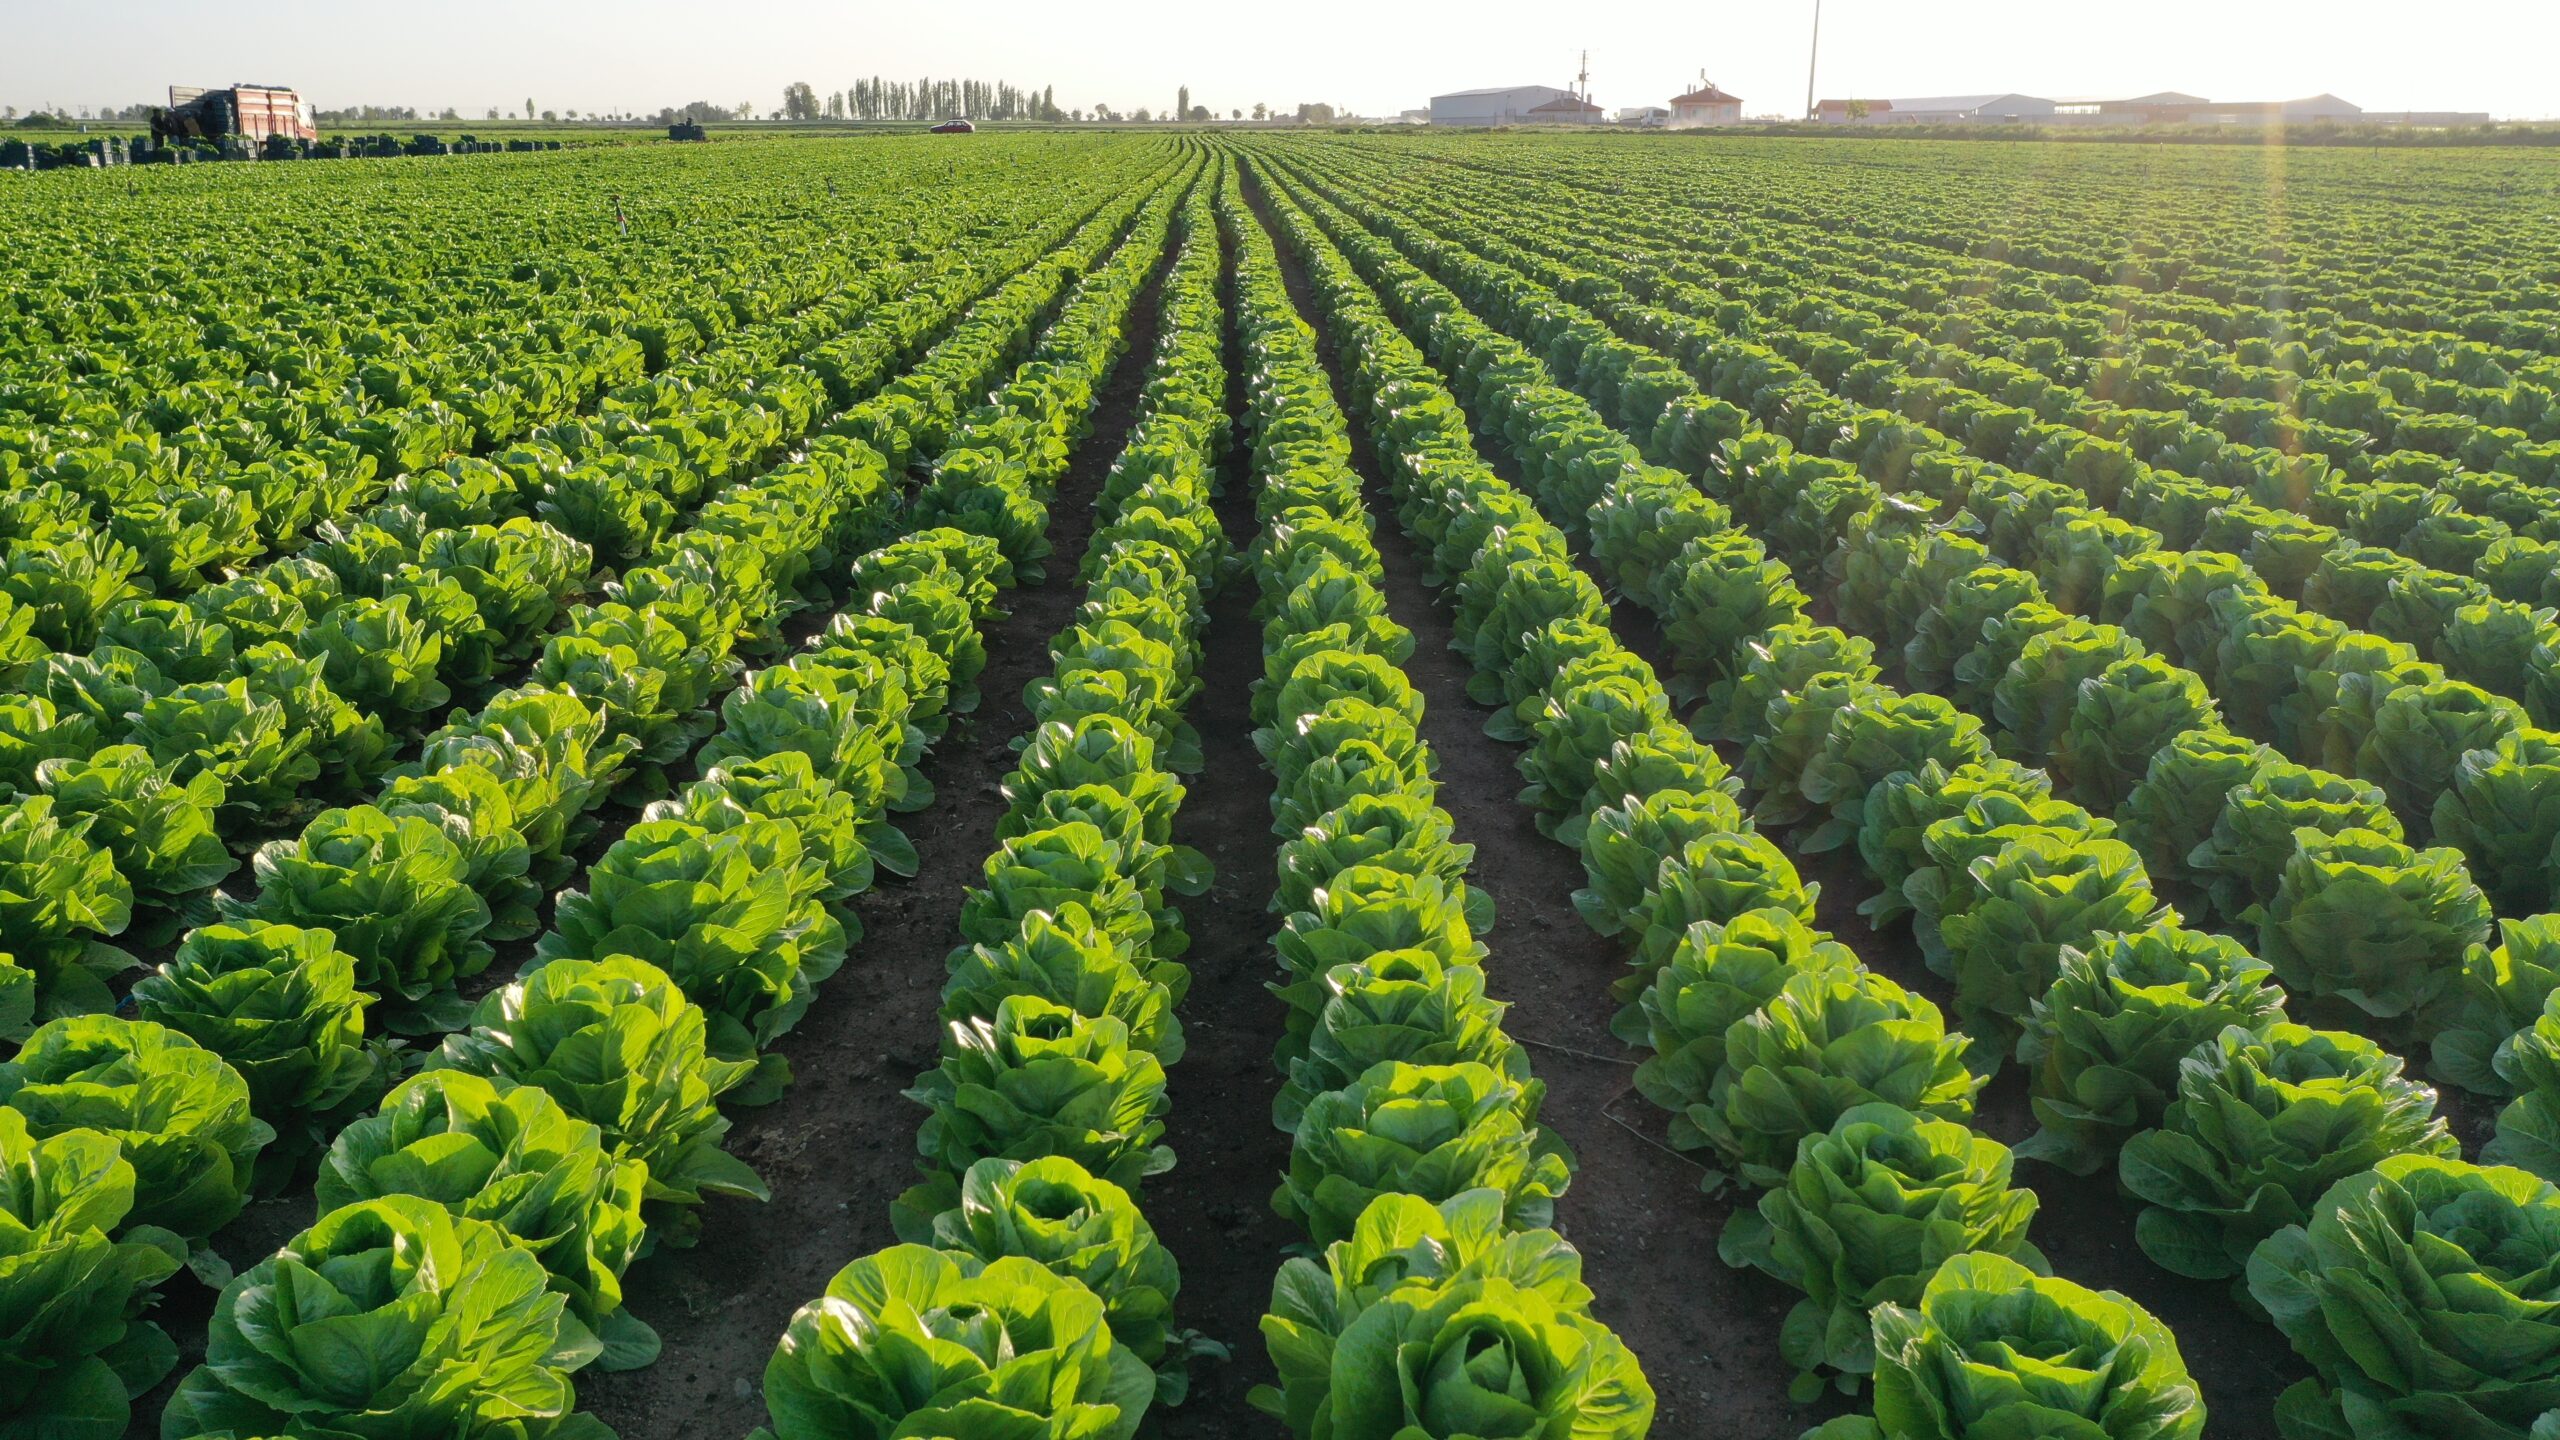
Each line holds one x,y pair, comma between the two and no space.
955,127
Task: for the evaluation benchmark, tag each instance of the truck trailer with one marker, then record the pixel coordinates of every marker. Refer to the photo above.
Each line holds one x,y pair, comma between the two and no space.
255,113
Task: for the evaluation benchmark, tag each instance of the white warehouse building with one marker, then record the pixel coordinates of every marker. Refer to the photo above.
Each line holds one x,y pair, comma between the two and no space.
1508,105
1937,110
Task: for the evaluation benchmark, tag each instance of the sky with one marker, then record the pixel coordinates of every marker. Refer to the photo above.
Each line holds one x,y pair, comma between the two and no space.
1370,57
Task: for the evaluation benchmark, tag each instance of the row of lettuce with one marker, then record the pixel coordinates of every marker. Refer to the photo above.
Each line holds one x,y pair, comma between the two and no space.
2458,765
2430,263
2021,893
156,436
2460,587
140,771
2454,764
1030,1295
475,1224
1417,1156
2400,372
1442,1301
2444,547
2314,864
1800,1068
154,454
2272,373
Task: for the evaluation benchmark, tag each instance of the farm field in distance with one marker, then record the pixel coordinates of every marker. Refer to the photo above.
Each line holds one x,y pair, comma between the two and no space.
1353,785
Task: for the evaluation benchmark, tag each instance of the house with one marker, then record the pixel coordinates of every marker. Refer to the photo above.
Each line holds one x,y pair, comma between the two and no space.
1504,105
1937,110
1567,109
1705,105
1652,116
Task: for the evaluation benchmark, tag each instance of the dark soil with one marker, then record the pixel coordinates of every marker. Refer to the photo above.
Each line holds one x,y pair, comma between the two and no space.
1214,1210
1707,1335
838,1146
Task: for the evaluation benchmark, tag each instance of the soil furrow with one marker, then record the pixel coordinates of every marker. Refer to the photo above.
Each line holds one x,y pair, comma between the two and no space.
1214,1210
838,1146
1707,1334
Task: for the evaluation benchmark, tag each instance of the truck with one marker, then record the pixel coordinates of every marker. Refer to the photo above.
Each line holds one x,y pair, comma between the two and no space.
255,113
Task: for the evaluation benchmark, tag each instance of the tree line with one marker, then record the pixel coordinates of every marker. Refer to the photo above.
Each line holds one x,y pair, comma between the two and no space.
880,98
876,98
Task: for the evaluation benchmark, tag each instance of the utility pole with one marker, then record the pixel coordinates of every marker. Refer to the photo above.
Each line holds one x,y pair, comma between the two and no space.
1814,61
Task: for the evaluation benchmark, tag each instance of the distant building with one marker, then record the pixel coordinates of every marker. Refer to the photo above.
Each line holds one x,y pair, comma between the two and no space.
2427,119
2170,107
2319,109
1649,115
1567,109
1937,110
1506,105
2167,107
1705,105
1414,117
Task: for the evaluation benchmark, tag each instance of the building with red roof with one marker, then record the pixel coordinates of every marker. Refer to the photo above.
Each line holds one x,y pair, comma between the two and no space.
1705,105
1567,110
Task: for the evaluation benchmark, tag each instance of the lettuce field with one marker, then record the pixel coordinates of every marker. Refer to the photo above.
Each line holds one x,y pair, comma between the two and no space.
1066,786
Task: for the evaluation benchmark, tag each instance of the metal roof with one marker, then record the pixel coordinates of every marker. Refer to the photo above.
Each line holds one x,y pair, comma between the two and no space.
2165,97
1960,102
1492,90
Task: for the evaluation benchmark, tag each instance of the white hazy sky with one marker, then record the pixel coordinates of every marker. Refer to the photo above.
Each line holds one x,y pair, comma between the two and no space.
1368,56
